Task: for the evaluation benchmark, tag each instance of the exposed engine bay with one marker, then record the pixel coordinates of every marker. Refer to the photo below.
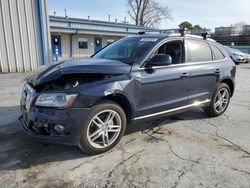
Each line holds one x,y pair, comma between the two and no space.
68,81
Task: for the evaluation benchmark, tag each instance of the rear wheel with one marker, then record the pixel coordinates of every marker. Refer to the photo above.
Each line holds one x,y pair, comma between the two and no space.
220,101
103,129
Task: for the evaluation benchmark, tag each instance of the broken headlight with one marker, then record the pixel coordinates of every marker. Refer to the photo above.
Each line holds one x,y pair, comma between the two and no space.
56,100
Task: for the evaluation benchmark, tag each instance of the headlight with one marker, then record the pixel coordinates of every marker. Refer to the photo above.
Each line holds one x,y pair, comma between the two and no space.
56,100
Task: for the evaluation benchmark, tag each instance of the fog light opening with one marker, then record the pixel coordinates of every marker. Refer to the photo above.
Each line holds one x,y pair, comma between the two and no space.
59,128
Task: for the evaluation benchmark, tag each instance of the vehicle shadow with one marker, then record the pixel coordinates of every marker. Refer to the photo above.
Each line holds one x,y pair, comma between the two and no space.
19,151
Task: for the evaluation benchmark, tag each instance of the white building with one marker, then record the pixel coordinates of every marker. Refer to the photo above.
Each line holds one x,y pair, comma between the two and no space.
24,35
246,30
227,31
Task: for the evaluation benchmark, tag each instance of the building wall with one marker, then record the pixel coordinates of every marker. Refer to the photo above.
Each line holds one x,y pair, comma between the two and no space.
246,30
24,41
76,52
65,40
69,40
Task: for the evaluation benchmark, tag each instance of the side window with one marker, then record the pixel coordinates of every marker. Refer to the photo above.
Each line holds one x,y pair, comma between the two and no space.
218,55
198,51
174,49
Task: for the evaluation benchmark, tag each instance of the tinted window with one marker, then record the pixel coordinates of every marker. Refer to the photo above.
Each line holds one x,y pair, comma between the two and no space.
216,52
199,51
174,49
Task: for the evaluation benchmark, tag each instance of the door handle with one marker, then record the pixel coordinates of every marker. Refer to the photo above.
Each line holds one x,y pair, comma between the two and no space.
217,71
184,75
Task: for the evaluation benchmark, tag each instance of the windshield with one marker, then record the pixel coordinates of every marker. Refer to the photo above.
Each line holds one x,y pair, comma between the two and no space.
128,50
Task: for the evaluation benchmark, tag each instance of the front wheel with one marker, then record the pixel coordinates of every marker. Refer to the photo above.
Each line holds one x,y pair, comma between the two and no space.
103,128
220,101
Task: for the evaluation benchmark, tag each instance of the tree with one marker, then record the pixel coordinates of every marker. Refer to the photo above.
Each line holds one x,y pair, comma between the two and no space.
148,12
238,28
187,25
197,27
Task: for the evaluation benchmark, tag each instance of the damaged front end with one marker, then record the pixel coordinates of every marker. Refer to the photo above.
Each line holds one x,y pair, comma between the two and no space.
55,101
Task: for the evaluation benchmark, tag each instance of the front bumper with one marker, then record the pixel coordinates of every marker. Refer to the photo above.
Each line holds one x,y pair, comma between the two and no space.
240,59
39,123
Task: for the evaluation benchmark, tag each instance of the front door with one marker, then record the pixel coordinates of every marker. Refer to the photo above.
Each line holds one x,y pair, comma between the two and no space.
164,88
98,44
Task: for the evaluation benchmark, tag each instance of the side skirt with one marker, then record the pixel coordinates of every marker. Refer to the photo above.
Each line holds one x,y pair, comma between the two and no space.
195,104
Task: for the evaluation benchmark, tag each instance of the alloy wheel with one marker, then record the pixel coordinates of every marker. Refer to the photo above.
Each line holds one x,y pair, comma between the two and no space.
221,100
104,129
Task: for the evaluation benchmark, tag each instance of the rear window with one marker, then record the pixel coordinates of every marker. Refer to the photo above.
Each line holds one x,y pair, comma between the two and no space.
218,55
199,51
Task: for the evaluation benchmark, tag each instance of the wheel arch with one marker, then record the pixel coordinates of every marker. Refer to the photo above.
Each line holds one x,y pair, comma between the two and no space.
230,84
123,101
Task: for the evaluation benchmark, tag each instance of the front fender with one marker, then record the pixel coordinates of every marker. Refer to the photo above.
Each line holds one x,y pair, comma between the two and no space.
89,96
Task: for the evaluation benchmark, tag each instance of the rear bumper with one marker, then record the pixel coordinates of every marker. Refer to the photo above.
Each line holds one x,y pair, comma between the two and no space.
41,123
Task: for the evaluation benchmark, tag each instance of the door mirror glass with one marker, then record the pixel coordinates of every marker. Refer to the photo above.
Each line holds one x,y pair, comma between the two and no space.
160,60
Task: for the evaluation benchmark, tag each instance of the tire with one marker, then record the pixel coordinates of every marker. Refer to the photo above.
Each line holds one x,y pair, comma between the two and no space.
213,110
92,145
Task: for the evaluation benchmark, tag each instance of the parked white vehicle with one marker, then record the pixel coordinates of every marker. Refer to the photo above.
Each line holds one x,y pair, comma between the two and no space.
236,55
247,57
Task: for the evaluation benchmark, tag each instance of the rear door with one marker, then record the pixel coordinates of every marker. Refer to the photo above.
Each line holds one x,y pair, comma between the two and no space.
205,69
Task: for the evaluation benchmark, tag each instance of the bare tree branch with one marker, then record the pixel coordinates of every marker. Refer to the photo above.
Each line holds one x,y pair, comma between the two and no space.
148,12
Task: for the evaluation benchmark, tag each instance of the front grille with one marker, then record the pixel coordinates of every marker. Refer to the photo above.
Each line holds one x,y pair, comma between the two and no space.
28,95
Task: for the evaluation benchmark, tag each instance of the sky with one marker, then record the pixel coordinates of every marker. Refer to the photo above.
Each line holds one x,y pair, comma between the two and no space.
207,13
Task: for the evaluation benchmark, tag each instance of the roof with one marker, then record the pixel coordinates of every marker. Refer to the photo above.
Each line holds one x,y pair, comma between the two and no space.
96,22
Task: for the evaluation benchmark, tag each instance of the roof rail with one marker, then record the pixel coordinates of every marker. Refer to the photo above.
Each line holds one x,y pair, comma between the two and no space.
181,31
148,31
177,32
205,35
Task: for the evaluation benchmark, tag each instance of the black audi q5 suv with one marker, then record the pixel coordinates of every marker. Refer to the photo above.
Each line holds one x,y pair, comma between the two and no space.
89,102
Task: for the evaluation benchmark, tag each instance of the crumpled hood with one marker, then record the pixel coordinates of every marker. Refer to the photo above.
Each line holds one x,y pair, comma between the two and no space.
53,71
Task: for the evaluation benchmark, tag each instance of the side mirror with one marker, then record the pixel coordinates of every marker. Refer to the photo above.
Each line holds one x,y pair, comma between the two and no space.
160,60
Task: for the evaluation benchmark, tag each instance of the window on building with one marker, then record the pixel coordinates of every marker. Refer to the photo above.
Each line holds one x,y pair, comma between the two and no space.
82,43
199,51
216,52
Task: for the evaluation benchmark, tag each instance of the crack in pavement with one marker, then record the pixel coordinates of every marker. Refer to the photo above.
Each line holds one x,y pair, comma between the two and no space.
182,174
86,162
151,133
239,170
130,182
237,146
129,141
122,163
197,161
